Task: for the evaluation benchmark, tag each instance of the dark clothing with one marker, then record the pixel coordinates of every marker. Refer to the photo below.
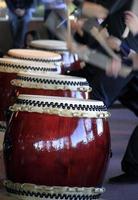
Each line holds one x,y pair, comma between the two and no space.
114,22
109,89
19,25
14,4
129,96
130,160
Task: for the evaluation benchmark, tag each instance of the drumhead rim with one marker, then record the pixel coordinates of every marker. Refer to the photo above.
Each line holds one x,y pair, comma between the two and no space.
54,45
51,81
50,192
16,66
61,106
22,54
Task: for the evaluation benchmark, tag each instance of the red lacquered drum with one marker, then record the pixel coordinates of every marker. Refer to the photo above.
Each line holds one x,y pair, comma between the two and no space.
51,85
70,61
56,148
8,70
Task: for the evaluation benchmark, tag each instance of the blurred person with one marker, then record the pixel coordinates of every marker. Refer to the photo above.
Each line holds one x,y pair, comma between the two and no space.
55,10
19,12
109,88
30,36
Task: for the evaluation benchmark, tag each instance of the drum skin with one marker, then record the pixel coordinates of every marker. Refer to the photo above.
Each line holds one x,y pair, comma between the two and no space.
6,91
54,150
49,92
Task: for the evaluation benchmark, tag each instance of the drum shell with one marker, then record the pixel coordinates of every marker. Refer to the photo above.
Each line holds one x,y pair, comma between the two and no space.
52,92
2,168
69,152
6,91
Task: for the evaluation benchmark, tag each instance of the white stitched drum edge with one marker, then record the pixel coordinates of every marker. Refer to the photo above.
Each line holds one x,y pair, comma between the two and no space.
15,67
68,107
51,82
54,192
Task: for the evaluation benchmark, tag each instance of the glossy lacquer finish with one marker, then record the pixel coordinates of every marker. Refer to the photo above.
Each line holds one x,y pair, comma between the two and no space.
6,91
56,151
57,92
76,65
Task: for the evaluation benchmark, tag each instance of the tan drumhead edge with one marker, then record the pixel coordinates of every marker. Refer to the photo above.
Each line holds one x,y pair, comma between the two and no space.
50,192
10,65
34,54
51,81
52,76
61,106
54,45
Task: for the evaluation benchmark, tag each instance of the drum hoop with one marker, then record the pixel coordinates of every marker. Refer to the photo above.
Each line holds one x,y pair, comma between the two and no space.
50,192
39,83
45,45
56,50
10,67
60,109
36,59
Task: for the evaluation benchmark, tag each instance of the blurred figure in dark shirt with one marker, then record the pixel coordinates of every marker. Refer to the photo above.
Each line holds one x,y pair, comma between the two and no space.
19,17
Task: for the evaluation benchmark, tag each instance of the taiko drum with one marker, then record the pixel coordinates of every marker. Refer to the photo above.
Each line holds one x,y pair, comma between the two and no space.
56,148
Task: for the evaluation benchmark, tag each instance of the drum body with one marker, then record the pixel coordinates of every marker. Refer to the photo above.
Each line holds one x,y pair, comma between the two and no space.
51,85
2,168
56,149
6,92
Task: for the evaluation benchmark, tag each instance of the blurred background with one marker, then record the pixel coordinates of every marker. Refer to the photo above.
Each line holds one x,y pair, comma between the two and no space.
35,24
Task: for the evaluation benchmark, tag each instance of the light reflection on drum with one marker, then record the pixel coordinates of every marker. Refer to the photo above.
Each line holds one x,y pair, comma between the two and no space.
56,148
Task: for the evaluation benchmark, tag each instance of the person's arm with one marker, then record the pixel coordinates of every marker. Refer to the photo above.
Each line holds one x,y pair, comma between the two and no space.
91,9
131,20
114,6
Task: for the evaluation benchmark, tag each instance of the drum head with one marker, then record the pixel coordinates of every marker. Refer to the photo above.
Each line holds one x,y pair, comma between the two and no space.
62,106
53,45
51,81
36,55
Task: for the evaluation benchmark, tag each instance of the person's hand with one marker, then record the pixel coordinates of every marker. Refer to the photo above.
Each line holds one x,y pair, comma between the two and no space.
20,12
131,20
113,42
135,61
77,25
68,1
94,10
104,33
113,68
